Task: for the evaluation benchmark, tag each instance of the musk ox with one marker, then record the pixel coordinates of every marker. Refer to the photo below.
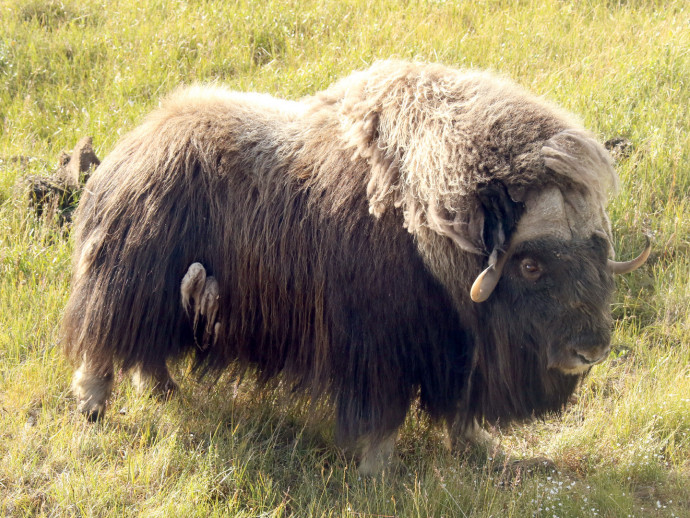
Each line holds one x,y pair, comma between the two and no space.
412,232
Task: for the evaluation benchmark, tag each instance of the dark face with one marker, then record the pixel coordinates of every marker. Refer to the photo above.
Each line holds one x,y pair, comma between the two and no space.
560,293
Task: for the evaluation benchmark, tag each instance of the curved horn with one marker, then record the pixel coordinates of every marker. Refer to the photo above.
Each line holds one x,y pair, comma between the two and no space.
486,281
628,266
484,284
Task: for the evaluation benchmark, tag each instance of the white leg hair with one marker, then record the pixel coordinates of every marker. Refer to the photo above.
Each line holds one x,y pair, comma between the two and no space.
91,385
475,434
376,456
459,433
158,382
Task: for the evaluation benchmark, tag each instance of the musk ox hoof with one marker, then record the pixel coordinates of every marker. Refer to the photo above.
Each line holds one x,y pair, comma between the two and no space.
159,383
461,435
200,296
376,456
92,389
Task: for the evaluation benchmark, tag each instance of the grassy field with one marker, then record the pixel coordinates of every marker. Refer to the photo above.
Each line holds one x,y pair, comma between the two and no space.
84,67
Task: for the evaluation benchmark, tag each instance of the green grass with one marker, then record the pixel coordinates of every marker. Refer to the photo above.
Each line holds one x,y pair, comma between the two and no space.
74,68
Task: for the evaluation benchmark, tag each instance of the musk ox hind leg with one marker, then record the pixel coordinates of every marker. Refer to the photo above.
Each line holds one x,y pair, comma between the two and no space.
199,295
155,380
91,384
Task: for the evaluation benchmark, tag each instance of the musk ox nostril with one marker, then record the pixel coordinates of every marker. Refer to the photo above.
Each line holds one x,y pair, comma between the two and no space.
591,356
583,358
577,360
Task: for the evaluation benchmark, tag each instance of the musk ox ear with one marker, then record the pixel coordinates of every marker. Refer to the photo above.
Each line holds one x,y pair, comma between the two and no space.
501,215
465,229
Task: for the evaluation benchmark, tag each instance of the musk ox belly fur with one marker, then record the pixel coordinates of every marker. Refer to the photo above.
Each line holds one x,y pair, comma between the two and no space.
414,231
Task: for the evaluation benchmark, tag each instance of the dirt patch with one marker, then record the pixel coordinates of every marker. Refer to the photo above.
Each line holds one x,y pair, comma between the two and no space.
57,195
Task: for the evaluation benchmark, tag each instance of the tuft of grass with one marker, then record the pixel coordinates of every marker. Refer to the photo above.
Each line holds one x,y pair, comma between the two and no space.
70,69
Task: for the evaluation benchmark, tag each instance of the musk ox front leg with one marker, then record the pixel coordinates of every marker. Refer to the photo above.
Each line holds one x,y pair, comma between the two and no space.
92,384
460,432
368,418
376,455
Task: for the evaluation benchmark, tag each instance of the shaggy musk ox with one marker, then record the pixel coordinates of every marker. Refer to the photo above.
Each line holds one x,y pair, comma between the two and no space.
414,231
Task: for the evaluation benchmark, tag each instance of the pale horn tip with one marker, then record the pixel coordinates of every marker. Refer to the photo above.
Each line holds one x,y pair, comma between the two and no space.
628,266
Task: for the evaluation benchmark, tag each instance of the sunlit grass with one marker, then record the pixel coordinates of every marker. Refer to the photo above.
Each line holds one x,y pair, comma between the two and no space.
74,68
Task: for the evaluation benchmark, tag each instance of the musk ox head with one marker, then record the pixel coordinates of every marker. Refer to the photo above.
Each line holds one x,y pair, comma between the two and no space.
554,273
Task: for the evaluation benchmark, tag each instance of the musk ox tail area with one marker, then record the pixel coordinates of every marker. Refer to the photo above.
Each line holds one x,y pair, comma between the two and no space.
157,204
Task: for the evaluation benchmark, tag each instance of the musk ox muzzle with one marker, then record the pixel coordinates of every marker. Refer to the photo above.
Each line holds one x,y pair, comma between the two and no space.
413,232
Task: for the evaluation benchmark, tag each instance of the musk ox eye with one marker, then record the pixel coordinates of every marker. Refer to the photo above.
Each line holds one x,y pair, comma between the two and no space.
530,269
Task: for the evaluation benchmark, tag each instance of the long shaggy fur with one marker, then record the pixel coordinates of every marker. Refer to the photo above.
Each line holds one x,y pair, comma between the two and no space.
344,232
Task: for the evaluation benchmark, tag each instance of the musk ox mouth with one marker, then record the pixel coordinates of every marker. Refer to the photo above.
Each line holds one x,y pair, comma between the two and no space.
579,360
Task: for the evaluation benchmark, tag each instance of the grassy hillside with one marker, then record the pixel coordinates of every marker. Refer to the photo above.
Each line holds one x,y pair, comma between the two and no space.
84,67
